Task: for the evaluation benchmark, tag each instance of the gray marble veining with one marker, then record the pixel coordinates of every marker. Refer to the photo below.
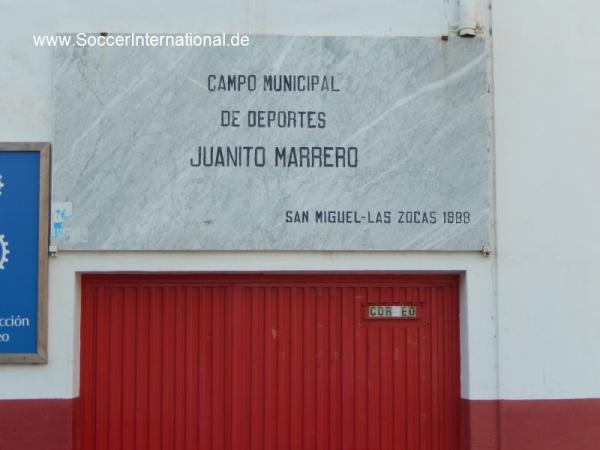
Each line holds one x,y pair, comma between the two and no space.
129,121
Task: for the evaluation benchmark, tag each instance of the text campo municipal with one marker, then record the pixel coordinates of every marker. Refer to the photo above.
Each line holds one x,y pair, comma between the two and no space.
298,154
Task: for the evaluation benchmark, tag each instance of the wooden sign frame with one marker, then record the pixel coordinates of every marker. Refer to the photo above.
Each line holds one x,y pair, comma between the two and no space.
41,355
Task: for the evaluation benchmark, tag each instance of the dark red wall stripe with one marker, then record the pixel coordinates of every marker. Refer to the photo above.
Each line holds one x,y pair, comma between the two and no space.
479,425
36,424
530,424
524,424
550,424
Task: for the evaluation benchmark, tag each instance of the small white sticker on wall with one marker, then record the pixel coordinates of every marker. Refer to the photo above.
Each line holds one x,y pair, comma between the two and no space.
61,211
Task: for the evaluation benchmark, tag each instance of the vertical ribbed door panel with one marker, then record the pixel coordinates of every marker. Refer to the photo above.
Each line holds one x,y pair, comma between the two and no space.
267,362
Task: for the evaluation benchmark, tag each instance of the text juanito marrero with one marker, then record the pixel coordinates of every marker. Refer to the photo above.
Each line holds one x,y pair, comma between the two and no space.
296,155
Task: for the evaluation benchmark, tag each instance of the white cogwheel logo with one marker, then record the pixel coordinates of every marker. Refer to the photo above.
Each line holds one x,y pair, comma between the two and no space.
3,251
1,184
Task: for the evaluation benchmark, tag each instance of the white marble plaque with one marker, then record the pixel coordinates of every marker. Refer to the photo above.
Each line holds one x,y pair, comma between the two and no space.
339,143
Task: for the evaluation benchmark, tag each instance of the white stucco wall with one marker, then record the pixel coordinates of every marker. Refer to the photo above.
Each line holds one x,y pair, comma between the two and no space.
26,114
547,61
547,93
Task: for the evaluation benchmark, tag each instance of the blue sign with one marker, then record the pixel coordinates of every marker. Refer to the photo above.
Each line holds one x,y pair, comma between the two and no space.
19,251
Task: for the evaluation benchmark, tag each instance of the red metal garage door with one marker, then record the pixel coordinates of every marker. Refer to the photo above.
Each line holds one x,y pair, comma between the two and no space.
268,362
